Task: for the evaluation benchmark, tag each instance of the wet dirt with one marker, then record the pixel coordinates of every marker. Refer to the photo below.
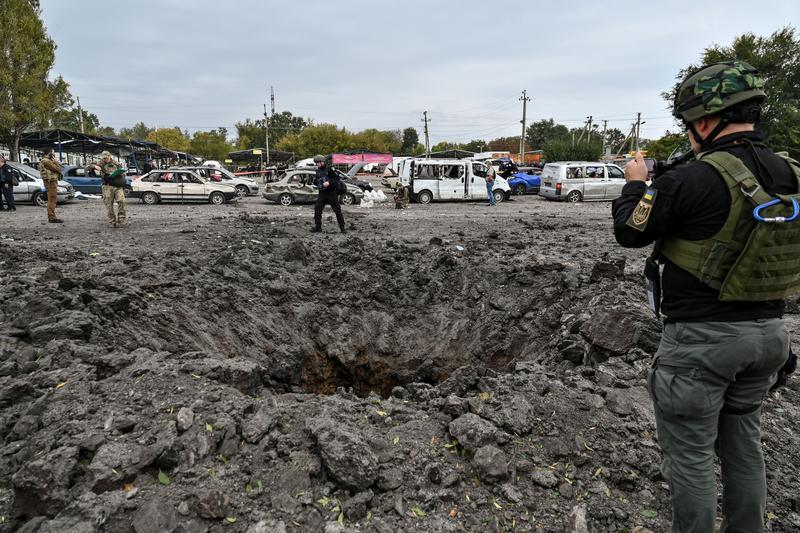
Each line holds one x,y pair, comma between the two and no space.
441,368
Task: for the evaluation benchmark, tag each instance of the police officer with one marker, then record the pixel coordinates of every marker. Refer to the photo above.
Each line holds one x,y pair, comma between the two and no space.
328,183
113,188
724,339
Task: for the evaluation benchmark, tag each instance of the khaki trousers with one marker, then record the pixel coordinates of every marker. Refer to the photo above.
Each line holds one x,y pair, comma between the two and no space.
113,194
52,196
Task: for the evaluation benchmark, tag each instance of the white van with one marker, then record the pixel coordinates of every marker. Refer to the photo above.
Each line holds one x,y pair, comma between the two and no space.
576,181
449,179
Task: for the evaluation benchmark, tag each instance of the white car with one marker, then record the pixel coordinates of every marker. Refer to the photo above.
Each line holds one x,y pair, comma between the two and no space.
244,186
31,186
180,185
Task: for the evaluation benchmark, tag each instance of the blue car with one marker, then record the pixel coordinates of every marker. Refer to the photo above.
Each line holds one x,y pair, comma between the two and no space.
87,184
525,182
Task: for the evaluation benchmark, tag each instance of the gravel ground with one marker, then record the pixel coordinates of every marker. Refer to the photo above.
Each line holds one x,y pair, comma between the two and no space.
450,367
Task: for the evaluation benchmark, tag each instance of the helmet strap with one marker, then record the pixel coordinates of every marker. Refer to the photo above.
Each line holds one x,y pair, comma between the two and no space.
708,139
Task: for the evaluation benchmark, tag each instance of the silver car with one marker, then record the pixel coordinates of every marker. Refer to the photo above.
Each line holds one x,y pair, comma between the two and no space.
576,181
244,186
297,186
31,187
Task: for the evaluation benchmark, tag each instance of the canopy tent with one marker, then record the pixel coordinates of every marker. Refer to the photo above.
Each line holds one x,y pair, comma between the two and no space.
451,154
254,155
352,157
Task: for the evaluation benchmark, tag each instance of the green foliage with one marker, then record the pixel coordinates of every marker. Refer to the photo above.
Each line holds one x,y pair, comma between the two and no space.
378,141
564,150
660,149
69,119
170,138
27,95
211,144
505,144
410,141
777,57
250,133
139,132
318,139
541,131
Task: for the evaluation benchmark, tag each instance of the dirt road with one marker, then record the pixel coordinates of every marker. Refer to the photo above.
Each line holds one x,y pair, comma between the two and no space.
442,368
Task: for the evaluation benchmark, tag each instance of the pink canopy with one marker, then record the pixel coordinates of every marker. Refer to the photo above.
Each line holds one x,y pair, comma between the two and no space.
352,159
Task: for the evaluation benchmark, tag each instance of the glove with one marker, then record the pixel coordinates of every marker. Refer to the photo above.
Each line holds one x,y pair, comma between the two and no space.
786,370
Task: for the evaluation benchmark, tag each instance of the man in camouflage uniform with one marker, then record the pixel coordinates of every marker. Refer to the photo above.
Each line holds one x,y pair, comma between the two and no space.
401,196
724,341
113,188
50,169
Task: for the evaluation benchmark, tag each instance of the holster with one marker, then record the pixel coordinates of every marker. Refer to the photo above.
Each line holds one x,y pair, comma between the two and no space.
652,279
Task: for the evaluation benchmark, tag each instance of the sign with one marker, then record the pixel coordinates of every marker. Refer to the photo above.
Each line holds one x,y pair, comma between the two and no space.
352,159
257,152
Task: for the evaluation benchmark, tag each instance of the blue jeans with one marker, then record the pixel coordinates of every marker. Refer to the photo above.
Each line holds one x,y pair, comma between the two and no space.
490,192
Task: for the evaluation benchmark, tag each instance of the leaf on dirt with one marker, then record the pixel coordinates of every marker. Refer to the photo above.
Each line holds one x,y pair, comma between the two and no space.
453,512
649,513
94,254
396,441
771,516
485,396
496,505
419,513
259,484
209,428
324,501
451,444
163,478
336,509
369,516
598,471
61,384
231,519
341,519
248,488
127,487
382,413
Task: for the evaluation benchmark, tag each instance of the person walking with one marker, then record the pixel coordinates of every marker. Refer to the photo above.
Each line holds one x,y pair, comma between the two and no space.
490,175
6,186
726,272
329,185
50,169
113,176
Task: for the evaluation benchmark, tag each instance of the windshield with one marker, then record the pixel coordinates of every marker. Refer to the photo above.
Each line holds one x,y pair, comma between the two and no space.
27,170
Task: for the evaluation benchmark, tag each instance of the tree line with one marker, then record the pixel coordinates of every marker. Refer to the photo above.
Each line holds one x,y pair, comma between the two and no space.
30,100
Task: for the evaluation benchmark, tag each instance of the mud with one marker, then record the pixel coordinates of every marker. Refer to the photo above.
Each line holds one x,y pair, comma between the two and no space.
443,368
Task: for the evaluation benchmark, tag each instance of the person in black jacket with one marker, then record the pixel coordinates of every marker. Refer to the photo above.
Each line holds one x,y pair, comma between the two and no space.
6,186
328,183
718,357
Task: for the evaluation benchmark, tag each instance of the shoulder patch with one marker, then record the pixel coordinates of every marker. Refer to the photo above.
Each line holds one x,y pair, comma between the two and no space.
641,213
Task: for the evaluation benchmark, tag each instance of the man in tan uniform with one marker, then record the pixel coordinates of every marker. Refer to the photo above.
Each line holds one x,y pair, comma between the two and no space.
113,188
50,169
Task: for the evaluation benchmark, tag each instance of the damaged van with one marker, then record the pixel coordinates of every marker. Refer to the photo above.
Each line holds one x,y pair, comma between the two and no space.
431,180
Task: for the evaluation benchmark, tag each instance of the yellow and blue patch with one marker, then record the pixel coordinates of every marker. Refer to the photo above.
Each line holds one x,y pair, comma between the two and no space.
641,213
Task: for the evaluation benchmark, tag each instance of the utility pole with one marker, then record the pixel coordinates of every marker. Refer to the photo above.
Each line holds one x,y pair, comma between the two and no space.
80,113
586,127
266,131
605,126
425,119
638,126
524,99
589,129
272,98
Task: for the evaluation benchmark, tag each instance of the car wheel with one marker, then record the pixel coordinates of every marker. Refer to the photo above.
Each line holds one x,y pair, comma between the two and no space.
574,197
519,189
39,199
127,191
285,199
217,198
150,198
424,197
347,199
499,196
241,191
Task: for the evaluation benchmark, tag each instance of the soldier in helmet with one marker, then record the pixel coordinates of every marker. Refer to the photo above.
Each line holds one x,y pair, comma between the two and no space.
329,184
726,271
113,188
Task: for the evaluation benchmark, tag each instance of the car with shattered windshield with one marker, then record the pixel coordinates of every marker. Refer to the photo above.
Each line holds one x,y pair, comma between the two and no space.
30,186
176,185
297,187
244,186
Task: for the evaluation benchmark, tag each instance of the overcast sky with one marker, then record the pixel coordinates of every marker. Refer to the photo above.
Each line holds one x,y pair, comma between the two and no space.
201,64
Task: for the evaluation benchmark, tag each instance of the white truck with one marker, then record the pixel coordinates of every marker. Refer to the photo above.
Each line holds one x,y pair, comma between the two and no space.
432,180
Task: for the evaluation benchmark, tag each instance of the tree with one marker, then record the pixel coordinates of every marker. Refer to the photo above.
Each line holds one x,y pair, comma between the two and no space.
410,141
777,58
660,149
475,145
211,144
614,138
541,131
139,132
564,150
378,141
70,119
316,139
170,138
506,144
27,95
250,133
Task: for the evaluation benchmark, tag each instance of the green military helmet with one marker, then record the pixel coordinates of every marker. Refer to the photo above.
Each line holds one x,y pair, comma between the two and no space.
715,88
319,159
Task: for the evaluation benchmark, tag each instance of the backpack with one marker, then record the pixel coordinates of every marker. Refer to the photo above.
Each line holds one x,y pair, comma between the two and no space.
341,187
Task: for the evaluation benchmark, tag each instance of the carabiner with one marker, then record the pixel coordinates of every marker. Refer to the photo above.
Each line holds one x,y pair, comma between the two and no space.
757,211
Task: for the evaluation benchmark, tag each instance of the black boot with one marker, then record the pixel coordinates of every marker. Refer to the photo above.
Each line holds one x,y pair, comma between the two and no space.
341,228
316,229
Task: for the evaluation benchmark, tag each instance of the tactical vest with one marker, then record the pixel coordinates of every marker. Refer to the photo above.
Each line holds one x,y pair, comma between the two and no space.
746,260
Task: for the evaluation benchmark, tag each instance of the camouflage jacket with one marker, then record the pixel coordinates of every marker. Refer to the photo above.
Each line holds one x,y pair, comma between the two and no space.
106,170
50,169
